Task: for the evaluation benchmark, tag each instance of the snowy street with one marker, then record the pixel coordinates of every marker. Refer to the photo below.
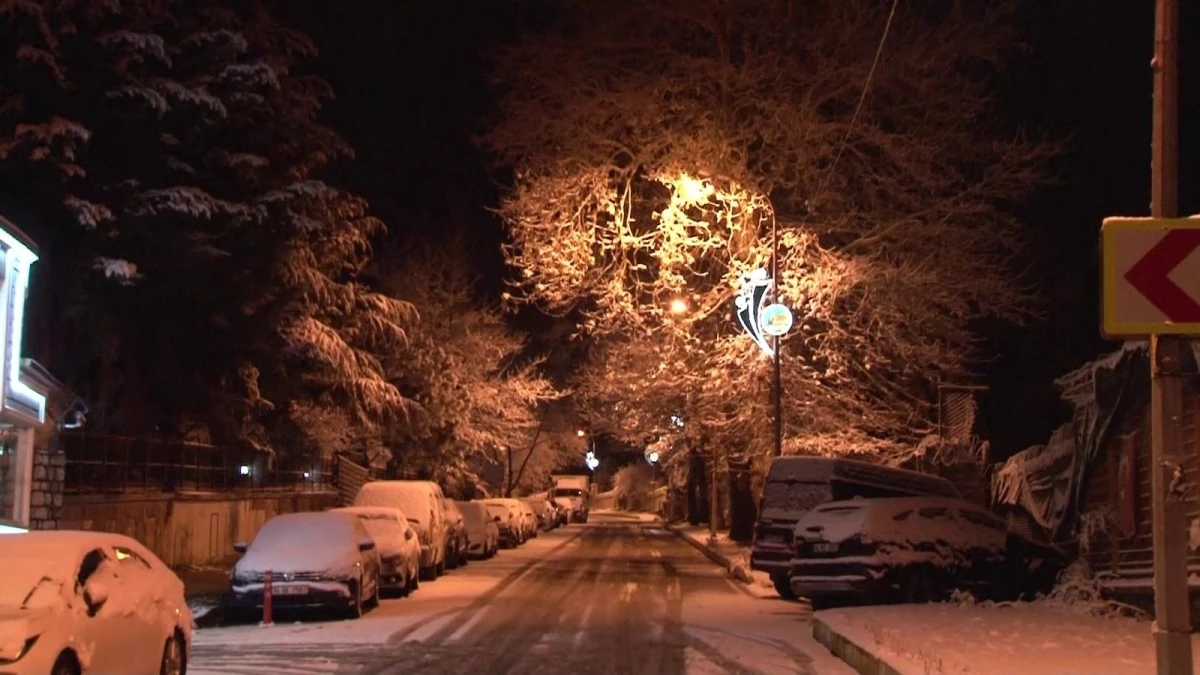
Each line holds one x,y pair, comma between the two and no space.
614,596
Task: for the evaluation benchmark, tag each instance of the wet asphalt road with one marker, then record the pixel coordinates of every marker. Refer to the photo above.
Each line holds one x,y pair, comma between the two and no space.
612,596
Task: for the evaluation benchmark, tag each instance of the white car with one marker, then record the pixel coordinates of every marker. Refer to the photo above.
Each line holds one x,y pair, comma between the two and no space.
397,543
421,501
75,603
314,560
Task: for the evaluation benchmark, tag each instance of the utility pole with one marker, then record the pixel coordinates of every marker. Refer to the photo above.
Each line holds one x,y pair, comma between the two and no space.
1172,625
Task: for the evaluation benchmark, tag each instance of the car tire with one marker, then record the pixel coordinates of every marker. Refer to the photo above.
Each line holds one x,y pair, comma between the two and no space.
378,592
414,582
439,569
355,610
783,586
65,665
174,657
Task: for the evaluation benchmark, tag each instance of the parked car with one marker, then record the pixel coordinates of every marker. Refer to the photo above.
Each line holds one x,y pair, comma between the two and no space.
421,502
561,515
508,519
320,560
483,532
795,485
915,549
545,518
70,599
528,519
397,543
457,541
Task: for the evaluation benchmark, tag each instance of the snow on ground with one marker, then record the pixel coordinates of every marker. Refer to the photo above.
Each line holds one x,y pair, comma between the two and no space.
621,515
998,640
735,555
433,603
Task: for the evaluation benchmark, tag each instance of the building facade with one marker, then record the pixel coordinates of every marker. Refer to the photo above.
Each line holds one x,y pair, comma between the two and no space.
22,404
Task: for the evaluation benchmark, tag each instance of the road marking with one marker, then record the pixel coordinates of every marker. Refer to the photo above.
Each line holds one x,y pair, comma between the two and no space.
466,627
426,631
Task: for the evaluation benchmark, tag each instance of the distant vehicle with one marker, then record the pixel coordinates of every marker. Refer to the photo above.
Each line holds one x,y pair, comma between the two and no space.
90,602
483,532
795,485
915,550
457,541
573,492
421,502
397,543
508,517
322,560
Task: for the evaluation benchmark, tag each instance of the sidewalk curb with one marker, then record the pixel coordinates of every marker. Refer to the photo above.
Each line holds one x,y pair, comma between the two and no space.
861,660
715,557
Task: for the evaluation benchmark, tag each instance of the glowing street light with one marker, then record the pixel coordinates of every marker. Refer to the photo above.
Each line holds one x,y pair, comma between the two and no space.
652,456
581,433
679,306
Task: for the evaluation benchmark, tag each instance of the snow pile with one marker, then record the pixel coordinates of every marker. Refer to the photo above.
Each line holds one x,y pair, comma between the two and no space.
996,640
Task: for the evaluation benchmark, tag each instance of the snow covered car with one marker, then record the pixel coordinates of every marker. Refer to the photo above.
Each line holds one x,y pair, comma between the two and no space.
482,531
457,541
74,603
396,541
529,519
508,520
421,502
914,549
541,511
797,484
320,560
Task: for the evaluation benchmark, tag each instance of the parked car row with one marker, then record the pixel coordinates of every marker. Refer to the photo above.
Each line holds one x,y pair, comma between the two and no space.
396,534
839,531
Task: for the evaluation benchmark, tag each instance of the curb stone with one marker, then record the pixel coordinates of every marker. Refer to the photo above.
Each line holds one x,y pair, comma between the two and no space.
717,559
861,660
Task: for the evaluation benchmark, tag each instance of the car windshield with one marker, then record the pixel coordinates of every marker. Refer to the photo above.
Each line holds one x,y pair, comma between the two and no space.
300,530
788,499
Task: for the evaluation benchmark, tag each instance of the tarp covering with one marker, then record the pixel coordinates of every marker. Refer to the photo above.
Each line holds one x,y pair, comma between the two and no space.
1038,479
1049,480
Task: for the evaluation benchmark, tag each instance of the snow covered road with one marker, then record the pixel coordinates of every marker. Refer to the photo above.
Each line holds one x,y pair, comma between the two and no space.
613,596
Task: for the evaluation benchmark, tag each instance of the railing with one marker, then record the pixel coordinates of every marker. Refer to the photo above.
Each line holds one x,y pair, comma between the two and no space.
101,463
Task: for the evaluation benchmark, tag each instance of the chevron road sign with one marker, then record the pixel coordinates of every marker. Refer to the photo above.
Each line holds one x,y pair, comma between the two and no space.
1150,270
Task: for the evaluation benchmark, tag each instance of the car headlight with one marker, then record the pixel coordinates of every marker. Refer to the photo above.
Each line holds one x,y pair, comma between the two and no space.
29,642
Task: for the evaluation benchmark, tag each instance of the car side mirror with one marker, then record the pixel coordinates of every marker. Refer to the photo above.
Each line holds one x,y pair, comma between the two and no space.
366,544
240,547
95,594
497,519
408,534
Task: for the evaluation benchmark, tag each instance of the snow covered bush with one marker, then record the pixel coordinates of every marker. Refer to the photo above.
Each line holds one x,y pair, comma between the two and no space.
632,486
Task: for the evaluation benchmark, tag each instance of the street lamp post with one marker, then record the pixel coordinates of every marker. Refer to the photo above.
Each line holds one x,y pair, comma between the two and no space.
777,389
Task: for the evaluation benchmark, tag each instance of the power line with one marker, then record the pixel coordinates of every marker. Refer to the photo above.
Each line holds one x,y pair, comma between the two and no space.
861,99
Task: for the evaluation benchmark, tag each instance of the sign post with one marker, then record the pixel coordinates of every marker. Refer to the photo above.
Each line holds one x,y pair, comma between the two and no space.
1150,291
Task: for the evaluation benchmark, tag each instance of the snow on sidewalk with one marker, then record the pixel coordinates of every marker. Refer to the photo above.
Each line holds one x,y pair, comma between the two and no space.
997,640
733,556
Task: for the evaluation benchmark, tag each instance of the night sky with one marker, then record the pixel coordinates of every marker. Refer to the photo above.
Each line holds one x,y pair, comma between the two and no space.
411,91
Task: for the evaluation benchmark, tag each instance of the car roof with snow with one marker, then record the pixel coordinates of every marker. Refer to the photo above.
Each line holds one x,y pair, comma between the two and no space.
381,512
24,544
820,469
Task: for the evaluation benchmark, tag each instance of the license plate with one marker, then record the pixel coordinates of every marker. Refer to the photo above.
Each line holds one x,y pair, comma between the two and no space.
825,548
290,589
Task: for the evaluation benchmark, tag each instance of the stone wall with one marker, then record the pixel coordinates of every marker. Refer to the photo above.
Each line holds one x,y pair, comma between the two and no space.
46,493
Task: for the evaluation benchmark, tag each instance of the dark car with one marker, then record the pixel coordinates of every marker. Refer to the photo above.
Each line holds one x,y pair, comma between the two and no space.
457,540
321,560
797,484
915,549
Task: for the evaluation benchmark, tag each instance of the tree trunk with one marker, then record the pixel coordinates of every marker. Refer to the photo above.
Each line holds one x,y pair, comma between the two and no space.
695,488
742,512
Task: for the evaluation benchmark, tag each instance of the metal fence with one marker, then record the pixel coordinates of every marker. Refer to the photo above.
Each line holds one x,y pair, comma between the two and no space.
958,409
101,463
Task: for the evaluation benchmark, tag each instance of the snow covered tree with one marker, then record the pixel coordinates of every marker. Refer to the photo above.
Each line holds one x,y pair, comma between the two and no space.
656,145
477,391
187,149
